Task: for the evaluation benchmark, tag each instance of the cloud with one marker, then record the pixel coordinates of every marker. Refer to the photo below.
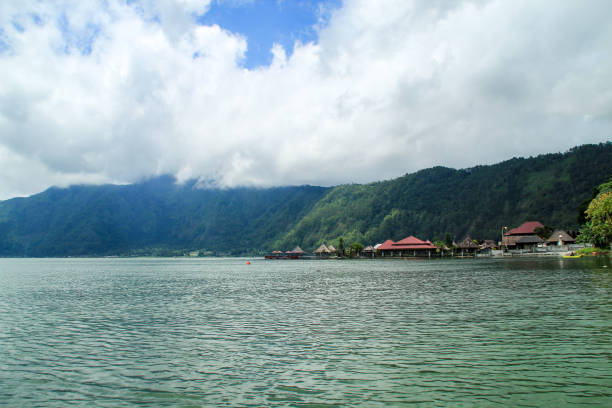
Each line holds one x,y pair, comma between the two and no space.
116,91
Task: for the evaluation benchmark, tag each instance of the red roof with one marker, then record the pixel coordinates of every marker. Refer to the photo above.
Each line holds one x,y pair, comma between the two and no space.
411,240
388,244
528,227
424,246
407,243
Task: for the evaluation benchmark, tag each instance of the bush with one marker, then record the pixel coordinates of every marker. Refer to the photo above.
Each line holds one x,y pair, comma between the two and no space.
589,251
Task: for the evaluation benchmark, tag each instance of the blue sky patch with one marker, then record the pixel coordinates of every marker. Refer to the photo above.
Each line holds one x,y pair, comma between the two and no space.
266,22
17,26
36,19
81,40
4,45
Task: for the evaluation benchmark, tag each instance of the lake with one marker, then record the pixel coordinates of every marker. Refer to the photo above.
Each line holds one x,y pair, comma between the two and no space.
372,333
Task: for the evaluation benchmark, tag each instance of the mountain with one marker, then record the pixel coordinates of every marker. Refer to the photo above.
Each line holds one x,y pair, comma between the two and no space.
158,216
158,213
477,201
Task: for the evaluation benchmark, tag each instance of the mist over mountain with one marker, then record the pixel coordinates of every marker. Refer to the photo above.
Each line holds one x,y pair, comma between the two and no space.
159,216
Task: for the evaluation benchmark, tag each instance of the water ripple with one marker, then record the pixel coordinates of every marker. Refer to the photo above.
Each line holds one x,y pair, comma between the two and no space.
163,332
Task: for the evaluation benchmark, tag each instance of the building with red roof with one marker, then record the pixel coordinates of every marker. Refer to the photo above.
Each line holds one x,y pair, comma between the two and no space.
524,236
410,246
526,228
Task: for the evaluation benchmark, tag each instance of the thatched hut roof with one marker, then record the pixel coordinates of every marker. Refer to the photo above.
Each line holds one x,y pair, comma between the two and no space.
467,243
560,235
322,250
489,243
331,248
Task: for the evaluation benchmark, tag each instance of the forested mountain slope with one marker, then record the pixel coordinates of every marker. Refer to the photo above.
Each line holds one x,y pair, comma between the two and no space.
478,201
160,215
104,220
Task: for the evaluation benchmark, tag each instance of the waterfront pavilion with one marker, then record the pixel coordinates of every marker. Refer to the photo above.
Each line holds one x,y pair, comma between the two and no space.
410,246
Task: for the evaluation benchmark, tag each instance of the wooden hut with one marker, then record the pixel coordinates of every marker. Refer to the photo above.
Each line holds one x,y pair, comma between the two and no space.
295,253
560,237
467,247
369,251
322,251
488,244
528,242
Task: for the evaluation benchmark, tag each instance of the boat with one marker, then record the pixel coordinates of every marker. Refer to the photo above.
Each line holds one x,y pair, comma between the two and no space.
572,256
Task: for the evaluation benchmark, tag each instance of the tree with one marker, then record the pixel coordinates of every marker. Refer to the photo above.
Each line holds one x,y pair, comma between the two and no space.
440,245
448,240
340,249
544,232
355,249
598,227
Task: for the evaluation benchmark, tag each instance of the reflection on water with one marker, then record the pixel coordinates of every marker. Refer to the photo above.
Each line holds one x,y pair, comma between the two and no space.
199,332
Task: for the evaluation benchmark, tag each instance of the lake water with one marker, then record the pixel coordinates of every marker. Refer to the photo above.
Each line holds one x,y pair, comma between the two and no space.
372,333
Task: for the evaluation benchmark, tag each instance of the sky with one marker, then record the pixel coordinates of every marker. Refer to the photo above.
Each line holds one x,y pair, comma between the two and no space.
279,92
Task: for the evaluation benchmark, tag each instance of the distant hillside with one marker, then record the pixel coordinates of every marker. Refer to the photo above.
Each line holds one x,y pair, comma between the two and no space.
478,201
105,220
158,216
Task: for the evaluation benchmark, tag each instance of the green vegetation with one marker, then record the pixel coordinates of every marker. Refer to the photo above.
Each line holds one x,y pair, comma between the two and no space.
156,217
544,232
443,202
340,248
159,217
355,249
597,229
592,251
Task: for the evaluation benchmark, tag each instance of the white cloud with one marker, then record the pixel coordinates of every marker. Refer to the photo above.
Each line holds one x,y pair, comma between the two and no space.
115,92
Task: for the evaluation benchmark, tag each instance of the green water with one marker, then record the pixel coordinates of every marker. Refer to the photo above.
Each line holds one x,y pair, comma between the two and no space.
200,332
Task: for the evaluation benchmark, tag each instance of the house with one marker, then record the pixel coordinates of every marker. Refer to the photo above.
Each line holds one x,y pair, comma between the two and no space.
322,251
528,242
276,255
560,237
369,251
523,237
295,253
467,246
488,244
410,246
